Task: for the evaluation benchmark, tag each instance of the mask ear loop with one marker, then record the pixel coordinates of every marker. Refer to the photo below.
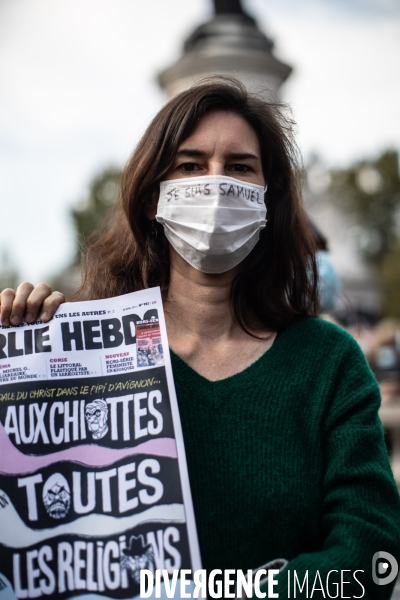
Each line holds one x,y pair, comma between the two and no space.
265,189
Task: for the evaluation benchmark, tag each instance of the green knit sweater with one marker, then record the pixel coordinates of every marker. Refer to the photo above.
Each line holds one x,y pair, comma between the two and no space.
287,460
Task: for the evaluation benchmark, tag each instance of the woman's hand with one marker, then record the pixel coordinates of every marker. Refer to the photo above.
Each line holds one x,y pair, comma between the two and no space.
28,303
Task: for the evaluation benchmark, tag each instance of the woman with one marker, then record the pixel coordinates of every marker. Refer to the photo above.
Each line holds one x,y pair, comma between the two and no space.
279,409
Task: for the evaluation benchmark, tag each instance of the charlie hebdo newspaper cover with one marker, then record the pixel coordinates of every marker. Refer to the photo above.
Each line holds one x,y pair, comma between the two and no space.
93,477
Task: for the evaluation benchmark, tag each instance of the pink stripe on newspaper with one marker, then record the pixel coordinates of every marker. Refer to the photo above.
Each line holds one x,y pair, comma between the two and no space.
14,462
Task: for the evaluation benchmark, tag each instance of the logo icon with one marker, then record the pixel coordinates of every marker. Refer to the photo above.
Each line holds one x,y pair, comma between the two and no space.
380,568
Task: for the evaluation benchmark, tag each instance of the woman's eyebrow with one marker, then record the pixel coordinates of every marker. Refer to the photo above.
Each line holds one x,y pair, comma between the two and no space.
230,155
242,156
190,152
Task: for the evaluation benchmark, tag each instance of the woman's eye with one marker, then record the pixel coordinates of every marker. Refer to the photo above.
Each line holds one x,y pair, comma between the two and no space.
239,168
187,167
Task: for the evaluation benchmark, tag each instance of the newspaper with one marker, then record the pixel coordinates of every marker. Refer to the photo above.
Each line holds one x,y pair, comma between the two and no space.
93,478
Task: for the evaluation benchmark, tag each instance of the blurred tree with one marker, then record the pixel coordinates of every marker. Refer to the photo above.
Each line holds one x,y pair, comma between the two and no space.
9,277
370,191
89,213
94,209
391,275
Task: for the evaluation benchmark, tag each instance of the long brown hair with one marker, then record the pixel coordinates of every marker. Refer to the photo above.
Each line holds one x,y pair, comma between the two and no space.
278,281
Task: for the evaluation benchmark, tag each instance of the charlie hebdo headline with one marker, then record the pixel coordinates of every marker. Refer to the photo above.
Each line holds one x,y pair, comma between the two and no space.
93,479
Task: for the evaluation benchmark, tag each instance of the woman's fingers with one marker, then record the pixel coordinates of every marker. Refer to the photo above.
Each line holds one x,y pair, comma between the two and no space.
29,302
19,303
6,299
35,300
13,304
50,305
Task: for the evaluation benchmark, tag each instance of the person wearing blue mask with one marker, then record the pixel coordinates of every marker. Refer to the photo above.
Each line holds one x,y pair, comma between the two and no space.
328,278
279,408
329,282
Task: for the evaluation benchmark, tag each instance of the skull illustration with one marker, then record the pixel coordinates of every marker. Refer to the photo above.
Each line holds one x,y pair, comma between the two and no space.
96,414
56,496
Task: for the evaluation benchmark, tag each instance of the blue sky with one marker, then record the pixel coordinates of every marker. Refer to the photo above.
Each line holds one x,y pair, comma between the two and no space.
77,89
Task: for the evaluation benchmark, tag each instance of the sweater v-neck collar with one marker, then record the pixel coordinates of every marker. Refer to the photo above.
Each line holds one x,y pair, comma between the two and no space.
246,372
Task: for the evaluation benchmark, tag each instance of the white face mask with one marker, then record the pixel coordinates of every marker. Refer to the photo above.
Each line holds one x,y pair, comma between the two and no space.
213,222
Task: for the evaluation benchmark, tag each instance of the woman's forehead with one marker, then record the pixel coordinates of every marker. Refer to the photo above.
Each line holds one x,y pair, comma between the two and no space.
224,130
